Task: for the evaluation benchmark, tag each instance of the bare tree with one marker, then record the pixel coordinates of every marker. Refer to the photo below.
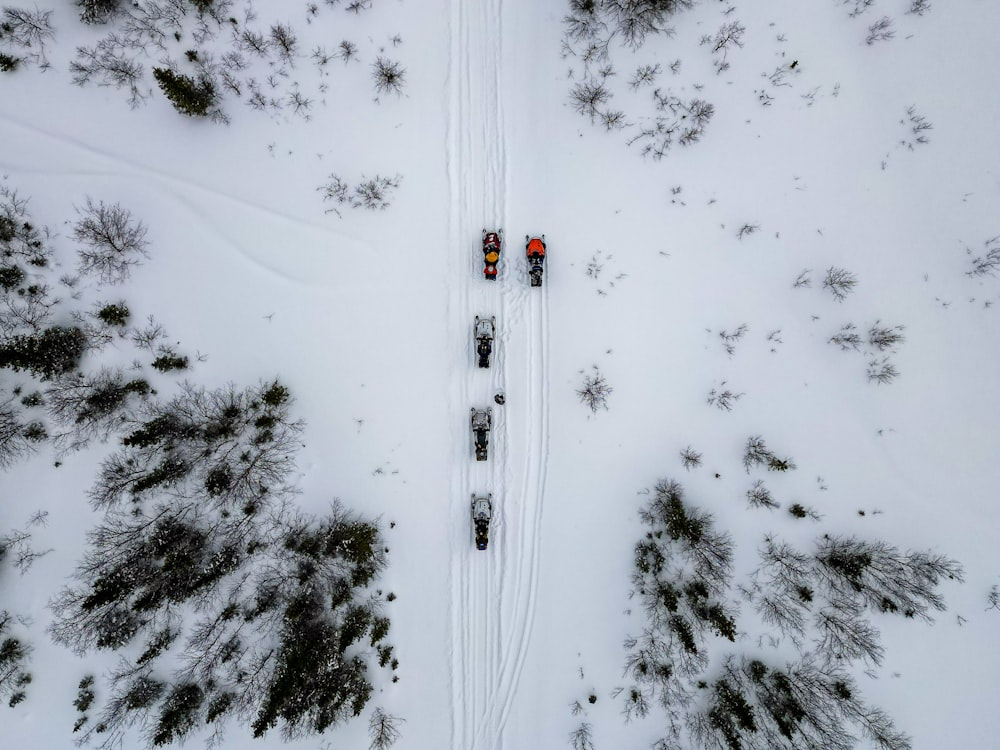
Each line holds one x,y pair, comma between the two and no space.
759,496
595,390
589,96
840,282
383,729
580,738
113,241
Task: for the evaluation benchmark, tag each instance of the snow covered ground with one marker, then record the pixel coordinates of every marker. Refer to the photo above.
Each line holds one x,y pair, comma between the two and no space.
367,317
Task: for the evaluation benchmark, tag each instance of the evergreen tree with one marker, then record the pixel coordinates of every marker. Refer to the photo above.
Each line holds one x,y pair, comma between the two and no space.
191,97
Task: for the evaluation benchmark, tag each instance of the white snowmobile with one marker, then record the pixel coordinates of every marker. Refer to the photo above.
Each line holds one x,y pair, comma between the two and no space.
484,331
482,513
482,421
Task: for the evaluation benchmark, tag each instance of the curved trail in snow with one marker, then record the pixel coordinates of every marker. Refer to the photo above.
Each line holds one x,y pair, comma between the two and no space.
493,593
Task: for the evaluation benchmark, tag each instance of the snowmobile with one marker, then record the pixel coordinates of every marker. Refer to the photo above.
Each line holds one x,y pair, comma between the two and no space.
492,243
483,332
482,421
535,249
482,513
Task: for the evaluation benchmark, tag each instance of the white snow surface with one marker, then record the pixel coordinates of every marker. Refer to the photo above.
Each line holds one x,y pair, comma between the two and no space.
367,317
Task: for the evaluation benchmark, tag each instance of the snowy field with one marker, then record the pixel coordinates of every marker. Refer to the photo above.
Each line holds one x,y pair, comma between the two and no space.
701,281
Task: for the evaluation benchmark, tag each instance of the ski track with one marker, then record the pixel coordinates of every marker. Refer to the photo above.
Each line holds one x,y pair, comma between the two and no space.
494,592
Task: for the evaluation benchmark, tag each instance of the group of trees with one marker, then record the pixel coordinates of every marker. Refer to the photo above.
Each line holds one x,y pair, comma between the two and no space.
822,602
221,599
211,51
593,31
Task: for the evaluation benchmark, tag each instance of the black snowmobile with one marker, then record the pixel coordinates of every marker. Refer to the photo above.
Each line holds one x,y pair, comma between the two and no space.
483,331
482,513
482,421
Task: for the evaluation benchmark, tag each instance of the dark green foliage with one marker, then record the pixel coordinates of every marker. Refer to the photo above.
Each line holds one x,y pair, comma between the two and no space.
10,276
85,694
114,315
275,395
170,361
384,655
202,6
797,510
8,64
33,399
179,713
55,351
731,715
380,629
34,432
97,11
191,97
313,685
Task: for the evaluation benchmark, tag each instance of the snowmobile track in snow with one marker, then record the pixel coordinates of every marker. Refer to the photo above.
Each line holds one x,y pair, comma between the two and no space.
494,591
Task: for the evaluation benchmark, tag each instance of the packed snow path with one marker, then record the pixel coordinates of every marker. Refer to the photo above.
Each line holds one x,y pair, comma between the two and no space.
494,591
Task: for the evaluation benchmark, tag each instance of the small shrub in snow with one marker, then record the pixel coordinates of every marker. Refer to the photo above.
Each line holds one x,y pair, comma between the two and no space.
847,338
881,371
840,282
880,31
756,453
389,76
993,598
116,314
589,96
882,337
723,399
800,511
730,338
759,496
645,75
988,263
690,458
595,391
374,194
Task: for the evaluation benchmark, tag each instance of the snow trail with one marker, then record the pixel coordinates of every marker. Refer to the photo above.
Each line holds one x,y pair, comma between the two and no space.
493,592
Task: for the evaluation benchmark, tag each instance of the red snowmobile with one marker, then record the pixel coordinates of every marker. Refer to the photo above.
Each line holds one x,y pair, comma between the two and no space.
535,249
492,242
